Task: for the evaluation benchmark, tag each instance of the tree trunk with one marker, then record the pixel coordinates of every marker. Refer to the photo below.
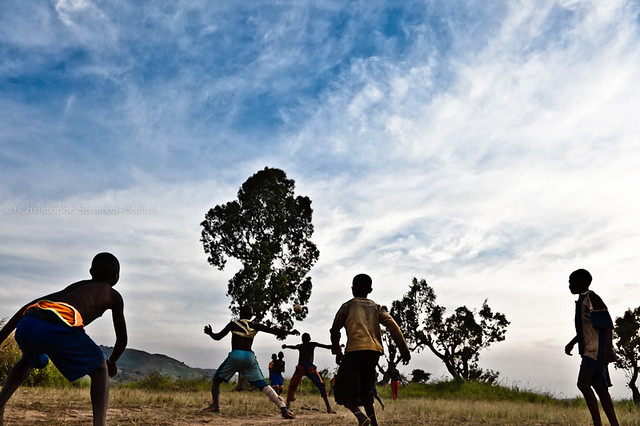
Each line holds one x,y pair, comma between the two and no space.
243,384
634,388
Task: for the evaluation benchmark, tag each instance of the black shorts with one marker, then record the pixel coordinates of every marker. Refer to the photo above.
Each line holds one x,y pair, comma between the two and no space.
356,378
596,373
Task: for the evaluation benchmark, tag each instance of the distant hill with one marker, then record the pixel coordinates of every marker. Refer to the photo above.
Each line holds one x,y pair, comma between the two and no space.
135,365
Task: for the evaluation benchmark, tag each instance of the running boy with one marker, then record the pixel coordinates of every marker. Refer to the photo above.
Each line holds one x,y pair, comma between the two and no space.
595,344
306,367
361,319
52,326
242,359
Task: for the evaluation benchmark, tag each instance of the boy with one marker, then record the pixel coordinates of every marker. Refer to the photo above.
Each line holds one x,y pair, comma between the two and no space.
276,368
242,359
361,318
306,367
52,326
394,375
595,344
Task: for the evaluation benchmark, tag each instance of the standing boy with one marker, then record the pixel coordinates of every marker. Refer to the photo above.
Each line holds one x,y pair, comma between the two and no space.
52,326
361,319
394,375
276,368
242,360
594,336
306,367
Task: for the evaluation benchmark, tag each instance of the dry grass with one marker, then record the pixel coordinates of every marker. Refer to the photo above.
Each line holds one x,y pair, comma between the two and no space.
144,407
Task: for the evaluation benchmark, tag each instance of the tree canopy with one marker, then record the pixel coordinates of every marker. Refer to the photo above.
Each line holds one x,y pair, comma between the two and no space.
456,339
268,229
627,332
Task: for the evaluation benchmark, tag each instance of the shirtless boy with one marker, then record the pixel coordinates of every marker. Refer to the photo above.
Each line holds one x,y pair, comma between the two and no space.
52,326
242,360
306,367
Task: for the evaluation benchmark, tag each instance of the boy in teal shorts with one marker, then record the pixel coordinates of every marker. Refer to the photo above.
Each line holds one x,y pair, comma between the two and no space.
242,360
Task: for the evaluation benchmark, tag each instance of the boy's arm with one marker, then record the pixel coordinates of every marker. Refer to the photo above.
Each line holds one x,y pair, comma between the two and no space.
279,332
338,323
570,345
320,345
289,347
221,334
120,327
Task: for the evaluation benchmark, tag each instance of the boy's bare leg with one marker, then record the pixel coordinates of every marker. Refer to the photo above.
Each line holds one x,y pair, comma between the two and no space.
363,420
371,413
326,402
215,394
100,394
584,385
607,406
18,374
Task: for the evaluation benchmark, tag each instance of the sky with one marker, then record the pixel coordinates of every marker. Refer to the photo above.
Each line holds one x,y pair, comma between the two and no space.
490,148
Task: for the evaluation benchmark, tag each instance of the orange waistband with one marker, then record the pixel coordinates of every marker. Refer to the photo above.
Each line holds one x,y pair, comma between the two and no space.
67,313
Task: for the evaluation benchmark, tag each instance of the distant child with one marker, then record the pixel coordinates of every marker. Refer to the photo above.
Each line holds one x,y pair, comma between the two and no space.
52,326
276,368
306,367
361,319
595,344
394,375
242,360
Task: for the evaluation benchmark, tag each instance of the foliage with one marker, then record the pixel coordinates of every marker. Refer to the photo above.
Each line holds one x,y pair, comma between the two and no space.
456,340
419,376
627,332
268,229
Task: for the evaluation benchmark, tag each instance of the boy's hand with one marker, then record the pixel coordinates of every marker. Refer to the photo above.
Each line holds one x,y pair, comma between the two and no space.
406,357
284,346
112,367
207,329
294,332
569,348
339,357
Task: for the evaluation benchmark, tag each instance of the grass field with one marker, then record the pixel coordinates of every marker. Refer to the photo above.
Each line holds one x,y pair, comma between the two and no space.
464,405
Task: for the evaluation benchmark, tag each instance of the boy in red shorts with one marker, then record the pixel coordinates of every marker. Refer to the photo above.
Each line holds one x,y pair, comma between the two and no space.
306,367
53,327
361,319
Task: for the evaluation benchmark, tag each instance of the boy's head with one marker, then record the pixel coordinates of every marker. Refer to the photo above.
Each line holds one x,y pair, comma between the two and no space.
361,285
280,354
579,281
105,267
306,337
246,311
274,357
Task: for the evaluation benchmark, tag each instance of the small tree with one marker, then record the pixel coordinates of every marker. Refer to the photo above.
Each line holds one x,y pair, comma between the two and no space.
419,376
268,229
627,334
457,339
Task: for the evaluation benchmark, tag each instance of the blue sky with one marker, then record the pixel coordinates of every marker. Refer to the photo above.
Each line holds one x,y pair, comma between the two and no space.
488,147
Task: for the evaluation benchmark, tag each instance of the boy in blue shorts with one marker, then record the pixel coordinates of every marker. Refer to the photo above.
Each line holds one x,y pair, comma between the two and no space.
594,336
306,367
242,360
53,327
276,368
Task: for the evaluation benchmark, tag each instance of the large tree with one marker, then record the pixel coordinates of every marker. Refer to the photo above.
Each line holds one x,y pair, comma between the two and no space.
627,329
268,229
456,339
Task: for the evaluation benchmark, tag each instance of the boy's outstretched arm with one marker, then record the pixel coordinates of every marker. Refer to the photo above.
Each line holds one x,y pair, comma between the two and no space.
570,345
320,345
279,332
220,335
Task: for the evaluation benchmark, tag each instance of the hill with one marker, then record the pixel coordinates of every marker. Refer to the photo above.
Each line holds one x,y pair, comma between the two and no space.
134,365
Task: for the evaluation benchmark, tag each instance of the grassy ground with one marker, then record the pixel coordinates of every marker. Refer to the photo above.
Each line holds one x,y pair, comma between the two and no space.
467,406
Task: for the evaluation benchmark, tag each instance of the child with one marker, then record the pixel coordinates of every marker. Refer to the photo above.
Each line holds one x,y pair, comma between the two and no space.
394,375
306,367
52,326
242,359
276,368
595,345
361,319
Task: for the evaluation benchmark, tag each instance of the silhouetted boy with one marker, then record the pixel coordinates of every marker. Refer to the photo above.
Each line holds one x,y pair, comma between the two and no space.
394,375
306,367
361,319
594,336
242,360
52,326
276,368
